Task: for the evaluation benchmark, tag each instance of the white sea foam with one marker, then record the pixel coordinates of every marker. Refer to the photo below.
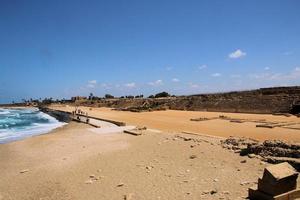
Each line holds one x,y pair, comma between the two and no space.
4,112
18,124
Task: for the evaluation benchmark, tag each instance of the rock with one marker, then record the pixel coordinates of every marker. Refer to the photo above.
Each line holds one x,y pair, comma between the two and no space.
92,176
24,171
149,167
120,184
212,192
193,156
226,192
216,180
243,161
187,139
251,155
245,183
269,148
205,192
237,151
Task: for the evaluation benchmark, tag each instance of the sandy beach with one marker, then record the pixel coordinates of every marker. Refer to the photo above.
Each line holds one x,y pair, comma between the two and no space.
77,162
72,162
149,100
178,121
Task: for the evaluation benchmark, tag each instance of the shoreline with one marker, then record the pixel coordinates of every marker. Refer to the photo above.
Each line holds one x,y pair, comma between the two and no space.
8,107
111,166
22,132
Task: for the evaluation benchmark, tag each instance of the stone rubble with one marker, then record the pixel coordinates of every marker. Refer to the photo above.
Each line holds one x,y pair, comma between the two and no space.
272,151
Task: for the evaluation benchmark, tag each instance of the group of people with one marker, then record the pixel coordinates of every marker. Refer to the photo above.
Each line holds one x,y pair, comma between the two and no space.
80,112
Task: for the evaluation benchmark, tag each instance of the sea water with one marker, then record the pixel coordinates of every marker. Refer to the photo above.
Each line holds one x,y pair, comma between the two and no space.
17,123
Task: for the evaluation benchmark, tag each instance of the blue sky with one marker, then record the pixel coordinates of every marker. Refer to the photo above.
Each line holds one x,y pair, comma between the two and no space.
67,48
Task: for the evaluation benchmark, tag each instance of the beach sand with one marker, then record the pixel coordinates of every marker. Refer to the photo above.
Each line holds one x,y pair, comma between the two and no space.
177,121
75,163
66,163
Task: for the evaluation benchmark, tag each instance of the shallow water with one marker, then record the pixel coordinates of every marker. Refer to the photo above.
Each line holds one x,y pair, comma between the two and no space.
16,124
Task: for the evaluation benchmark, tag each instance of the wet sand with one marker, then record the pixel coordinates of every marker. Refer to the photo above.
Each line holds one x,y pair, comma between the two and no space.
177,121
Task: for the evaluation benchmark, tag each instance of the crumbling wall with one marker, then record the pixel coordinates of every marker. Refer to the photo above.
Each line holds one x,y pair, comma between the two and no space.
272,151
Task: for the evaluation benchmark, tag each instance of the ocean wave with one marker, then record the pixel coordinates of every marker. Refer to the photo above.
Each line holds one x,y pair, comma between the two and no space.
22,123
4,111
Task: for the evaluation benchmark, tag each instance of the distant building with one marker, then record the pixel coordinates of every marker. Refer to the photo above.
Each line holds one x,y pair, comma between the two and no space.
78,98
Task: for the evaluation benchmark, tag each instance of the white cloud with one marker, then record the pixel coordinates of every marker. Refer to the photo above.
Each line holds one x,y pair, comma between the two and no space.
267,68
175,80
92,84
130,85
202,67
193,85
216,75
292,75
237,54
266,76
106,86
156,83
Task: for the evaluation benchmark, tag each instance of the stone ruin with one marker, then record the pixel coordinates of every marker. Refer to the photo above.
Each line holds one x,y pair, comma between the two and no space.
276,100
272,151
279,182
